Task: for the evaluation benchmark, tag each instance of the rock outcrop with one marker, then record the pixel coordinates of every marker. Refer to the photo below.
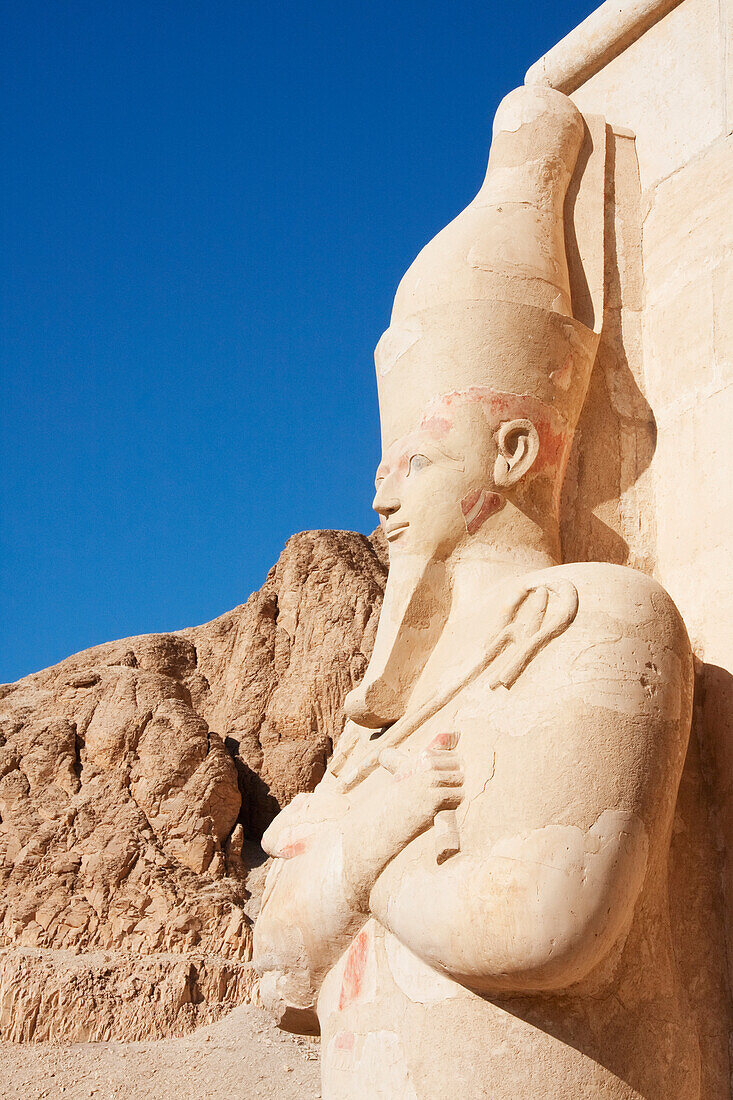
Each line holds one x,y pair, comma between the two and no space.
136,779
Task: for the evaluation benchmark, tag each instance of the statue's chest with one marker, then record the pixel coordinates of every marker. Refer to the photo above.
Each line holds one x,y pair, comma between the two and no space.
484,694
481,719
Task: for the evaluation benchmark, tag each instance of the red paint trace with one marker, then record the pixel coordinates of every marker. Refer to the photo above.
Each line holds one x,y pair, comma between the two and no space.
345,1040
356,960
444,741
295,846
477,506
555,433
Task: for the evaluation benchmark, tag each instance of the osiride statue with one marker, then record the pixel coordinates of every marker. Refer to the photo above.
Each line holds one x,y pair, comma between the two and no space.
472,902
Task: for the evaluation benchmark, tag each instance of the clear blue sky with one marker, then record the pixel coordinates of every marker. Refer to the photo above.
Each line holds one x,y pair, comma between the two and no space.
207,208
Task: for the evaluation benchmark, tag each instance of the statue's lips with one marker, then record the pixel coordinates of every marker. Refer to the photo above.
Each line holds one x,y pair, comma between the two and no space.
395,530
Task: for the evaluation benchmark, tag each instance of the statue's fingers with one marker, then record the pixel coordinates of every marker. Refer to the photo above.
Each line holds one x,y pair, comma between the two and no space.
444,759
452,778
450,797
444,741
392,760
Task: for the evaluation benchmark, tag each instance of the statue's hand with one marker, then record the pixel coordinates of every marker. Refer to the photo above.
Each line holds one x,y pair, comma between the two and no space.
424,784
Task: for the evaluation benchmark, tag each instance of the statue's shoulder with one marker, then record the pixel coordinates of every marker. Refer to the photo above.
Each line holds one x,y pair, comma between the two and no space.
622,615
611,638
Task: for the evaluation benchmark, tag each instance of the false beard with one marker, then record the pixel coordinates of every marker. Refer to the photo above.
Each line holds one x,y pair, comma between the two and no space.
414,612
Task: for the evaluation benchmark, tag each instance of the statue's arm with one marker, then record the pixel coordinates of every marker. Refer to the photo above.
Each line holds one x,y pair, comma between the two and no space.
555,848
330,849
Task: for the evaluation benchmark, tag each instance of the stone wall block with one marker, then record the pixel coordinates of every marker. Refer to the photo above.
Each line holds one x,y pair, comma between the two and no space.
668,87
723,319
674,372
685,236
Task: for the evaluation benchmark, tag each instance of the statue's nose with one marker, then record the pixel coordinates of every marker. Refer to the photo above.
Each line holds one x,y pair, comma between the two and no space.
385,502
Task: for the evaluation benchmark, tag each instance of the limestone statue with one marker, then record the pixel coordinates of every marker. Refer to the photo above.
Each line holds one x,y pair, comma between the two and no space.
473,900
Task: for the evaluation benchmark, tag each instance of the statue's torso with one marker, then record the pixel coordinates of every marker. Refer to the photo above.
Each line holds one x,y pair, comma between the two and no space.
394,1026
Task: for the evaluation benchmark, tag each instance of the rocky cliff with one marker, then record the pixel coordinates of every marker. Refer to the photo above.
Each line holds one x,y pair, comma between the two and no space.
136,779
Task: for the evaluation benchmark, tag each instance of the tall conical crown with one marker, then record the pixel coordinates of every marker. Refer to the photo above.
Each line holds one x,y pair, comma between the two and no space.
487,304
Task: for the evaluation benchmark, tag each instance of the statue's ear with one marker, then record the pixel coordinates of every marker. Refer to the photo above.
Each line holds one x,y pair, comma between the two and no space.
518,444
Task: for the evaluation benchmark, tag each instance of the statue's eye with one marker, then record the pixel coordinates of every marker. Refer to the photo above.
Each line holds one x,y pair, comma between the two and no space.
418,462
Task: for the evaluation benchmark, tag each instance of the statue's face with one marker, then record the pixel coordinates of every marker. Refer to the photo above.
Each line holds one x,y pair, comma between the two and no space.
434,486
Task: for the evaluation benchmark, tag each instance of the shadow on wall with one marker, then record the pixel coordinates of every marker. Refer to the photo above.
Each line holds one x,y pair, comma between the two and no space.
714,728
608,515
605,515
696,902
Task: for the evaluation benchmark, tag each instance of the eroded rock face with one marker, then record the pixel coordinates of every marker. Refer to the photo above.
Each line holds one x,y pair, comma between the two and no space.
136,779
271,676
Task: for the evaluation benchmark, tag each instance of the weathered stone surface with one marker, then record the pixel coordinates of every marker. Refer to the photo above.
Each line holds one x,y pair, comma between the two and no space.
272,676
136,779
62,995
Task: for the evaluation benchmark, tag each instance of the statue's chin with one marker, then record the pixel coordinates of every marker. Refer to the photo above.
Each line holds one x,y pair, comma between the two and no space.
373,705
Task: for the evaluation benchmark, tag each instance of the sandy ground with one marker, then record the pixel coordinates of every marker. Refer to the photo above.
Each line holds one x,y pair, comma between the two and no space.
243,1057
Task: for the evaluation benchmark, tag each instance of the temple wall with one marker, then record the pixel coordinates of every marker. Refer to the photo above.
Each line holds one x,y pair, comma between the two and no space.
651,481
